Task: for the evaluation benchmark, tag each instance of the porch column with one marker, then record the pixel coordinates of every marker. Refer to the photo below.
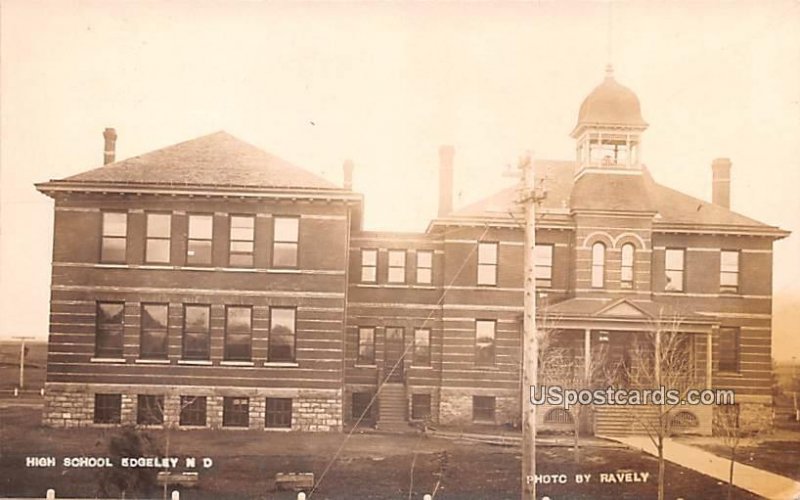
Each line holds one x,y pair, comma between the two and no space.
709,351
587,353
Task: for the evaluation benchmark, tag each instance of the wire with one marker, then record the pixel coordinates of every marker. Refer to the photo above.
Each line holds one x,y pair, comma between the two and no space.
401,358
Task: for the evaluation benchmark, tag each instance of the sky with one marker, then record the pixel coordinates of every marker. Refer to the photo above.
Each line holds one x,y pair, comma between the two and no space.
385,85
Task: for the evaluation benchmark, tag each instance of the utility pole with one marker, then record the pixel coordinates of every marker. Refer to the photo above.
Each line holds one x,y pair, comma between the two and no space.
530,196
22,360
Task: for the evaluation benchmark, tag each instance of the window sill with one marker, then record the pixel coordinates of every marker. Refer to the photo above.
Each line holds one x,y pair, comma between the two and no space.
278,429
108,360
197,362
283,270
236,363
727,373
153,361
419,367
281,364
364,366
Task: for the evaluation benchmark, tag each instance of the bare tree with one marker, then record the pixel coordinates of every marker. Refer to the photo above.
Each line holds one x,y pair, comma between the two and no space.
661,358
559,365
154,413
730,431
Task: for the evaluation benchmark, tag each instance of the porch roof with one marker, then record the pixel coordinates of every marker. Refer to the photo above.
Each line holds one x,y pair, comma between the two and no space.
623,313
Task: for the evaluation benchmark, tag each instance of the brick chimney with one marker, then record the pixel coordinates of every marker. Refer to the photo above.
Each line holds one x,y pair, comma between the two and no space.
446,154
109,150
721,182
347,168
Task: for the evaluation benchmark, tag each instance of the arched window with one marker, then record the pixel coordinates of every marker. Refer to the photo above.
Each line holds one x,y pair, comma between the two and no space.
626,280
598,265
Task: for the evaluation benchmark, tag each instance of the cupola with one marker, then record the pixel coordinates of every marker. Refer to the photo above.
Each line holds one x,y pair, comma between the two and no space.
609,128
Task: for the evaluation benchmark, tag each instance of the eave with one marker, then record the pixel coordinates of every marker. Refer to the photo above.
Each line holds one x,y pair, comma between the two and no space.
54,188
720,230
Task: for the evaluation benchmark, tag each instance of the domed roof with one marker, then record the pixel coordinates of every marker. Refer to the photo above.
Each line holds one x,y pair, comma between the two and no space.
611,104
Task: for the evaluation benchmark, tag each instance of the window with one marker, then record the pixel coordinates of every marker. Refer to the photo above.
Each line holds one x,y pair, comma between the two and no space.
397,266
361,406
483,408
729,271
201,230
107,408
196,322
422,347
420,406
626,269
487,263
108,335
238,333
281,334
153,341
193,410
598,265
673,266
242,240
159,230
543,265
424,267
279,413
115,228
286,233
236,412
366,346
729,342
484,342
150,410
369,265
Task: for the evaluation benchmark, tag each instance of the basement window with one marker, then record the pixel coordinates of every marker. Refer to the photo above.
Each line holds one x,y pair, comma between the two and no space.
420,406
236,412
107,408
279,413
193,410
483,409
150,410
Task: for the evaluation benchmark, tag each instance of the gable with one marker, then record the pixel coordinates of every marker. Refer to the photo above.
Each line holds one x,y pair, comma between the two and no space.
623,308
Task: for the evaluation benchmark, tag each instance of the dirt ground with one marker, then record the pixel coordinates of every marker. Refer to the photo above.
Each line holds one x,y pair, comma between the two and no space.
369,466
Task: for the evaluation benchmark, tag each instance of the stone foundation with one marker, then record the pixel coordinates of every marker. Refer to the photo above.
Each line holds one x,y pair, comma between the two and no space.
72,405
455,406
753,417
